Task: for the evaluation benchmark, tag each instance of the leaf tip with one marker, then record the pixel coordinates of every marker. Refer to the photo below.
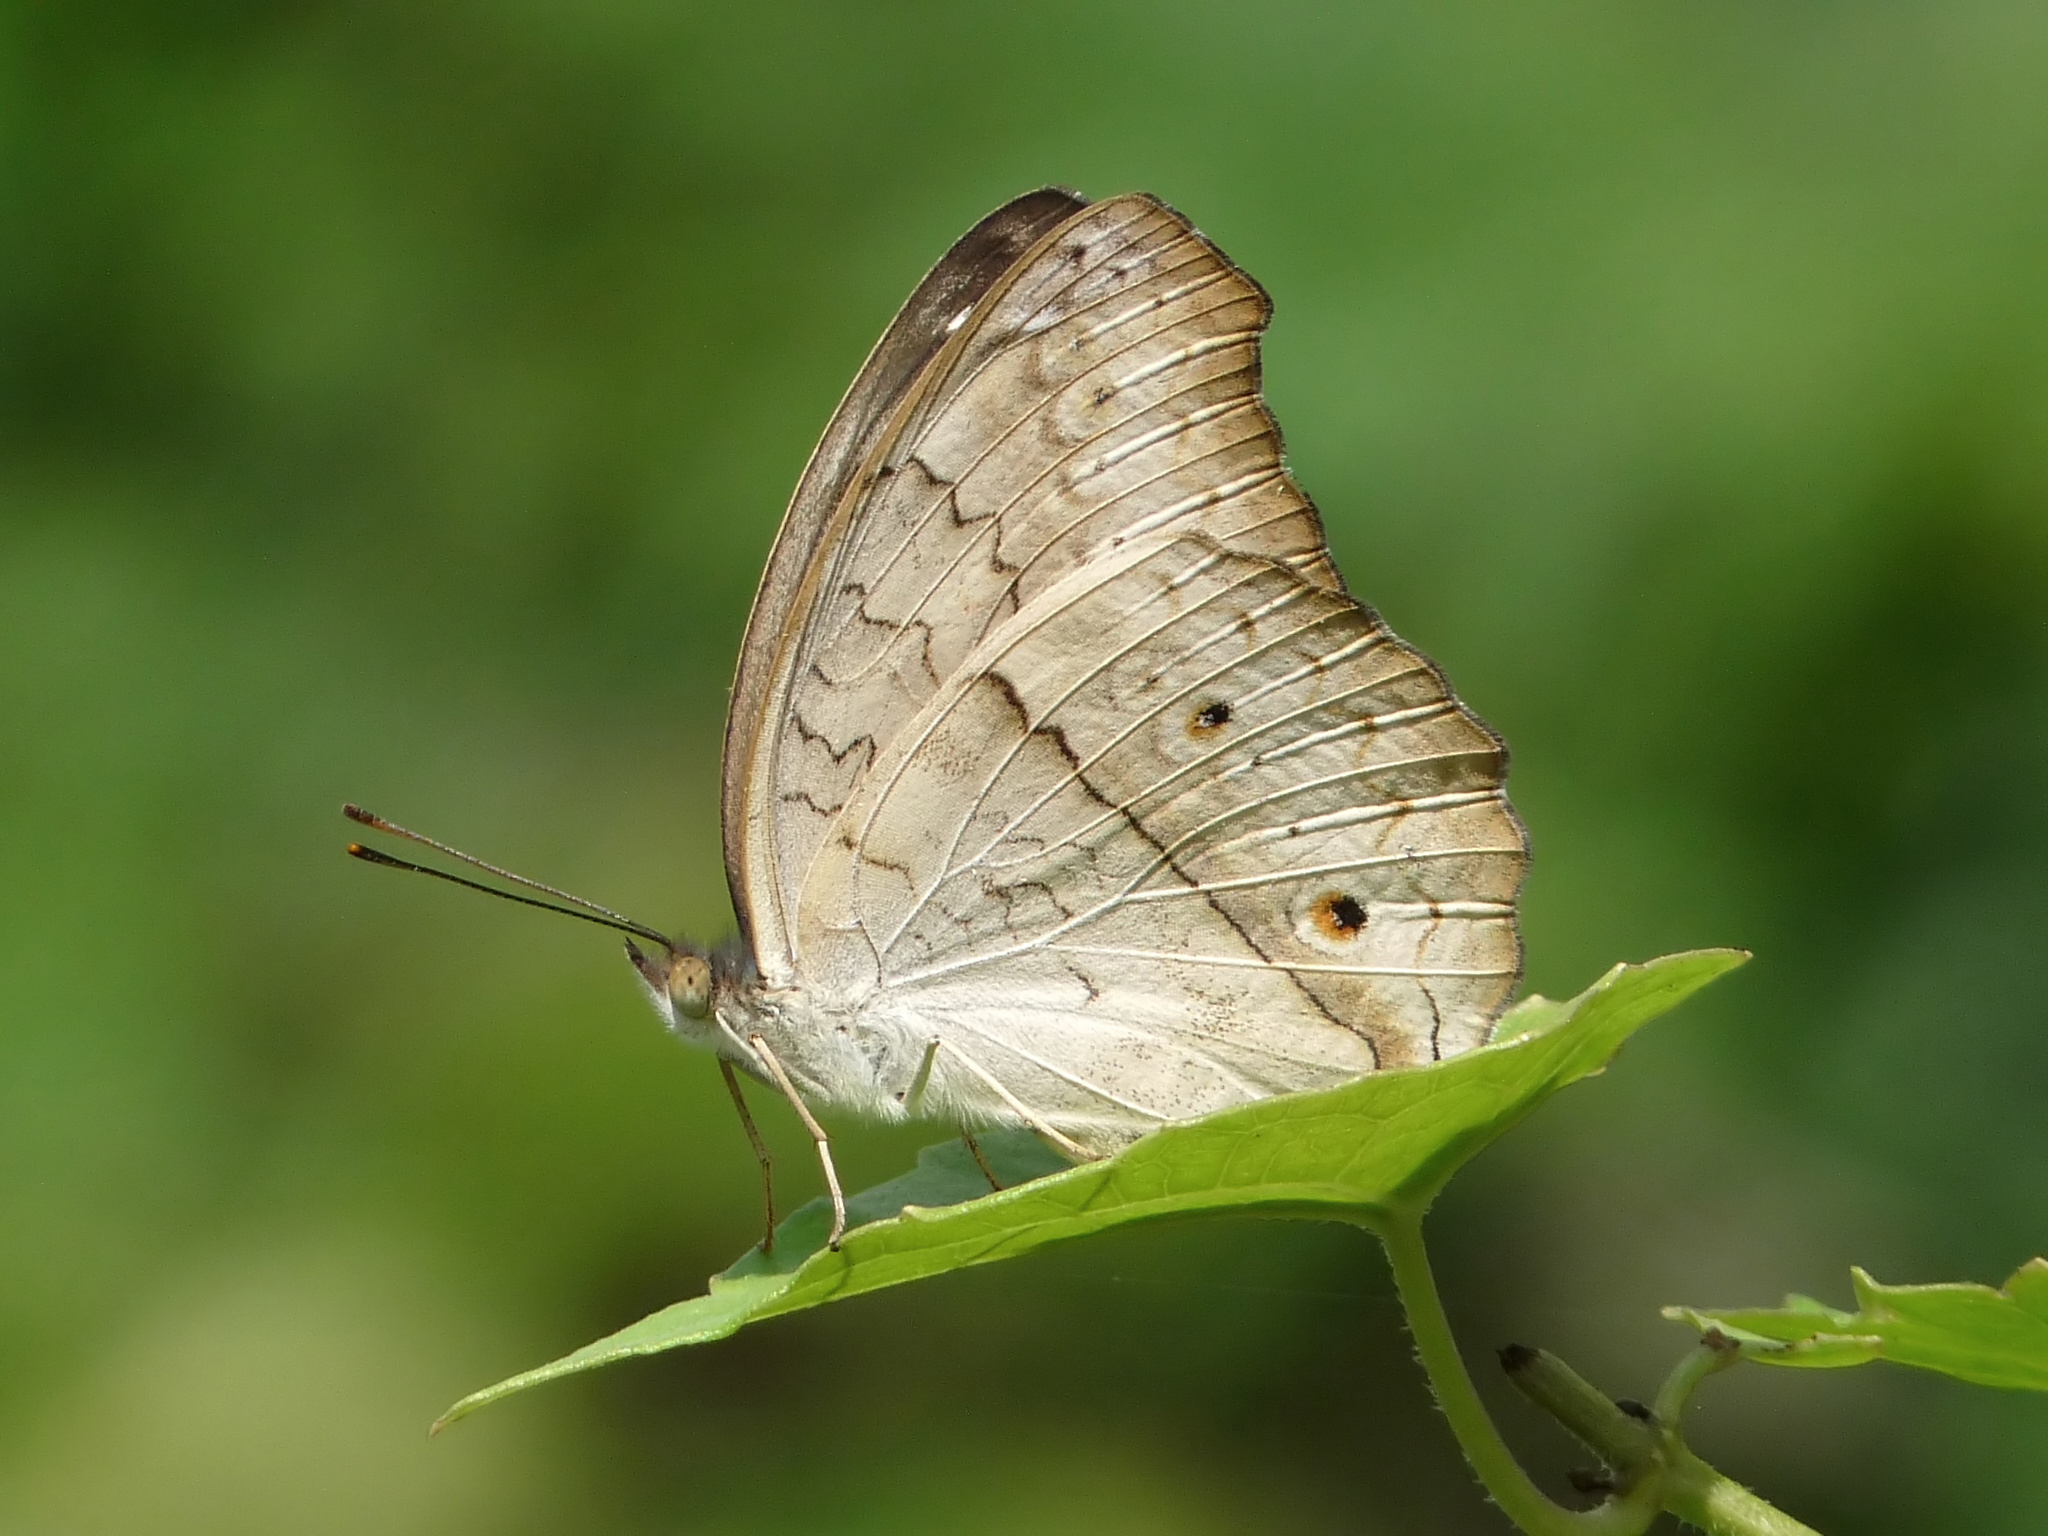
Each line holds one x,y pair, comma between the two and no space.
462,1409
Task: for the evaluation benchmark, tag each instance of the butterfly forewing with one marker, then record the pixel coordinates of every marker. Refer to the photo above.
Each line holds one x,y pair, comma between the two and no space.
899,362
1105,389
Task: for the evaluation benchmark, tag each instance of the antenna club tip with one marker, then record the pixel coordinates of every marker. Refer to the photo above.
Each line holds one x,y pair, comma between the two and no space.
355,812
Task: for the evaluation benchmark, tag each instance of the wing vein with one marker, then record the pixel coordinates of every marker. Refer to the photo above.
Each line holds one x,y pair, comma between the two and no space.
1238,962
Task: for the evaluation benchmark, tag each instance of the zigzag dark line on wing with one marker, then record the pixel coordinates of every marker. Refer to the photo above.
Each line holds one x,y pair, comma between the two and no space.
940,715
1150,715
991,528
1277,472
1166,859
991,524
950,867
1169,855
848,550
1068,529
1233,744
933,718
1130,344
1244,937
1158,784
1145,487
1307,997
943,403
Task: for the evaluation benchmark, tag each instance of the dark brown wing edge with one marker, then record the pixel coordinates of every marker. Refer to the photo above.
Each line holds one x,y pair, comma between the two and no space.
976,262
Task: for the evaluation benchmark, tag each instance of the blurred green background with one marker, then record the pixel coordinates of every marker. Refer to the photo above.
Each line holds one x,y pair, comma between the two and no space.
397,402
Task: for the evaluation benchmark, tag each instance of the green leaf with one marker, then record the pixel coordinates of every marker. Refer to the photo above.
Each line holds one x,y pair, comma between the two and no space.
1381,1144
1994,1338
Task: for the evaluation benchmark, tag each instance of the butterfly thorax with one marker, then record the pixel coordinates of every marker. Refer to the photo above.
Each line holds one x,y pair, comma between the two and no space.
838,1054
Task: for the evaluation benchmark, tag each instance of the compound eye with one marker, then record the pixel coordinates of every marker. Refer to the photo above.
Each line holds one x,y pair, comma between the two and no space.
689,986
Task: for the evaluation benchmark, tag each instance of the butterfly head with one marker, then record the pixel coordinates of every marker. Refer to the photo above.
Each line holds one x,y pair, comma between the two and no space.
678,979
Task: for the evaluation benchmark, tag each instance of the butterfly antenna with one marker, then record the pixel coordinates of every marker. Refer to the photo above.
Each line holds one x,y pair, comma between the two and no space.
576,906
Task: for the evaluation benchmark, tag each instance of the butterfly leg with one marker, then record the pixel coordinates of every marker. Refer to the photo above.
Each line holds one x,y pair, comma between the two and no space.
1066,1144
739,1102
818,1136
913,1097
980,1161
912,1100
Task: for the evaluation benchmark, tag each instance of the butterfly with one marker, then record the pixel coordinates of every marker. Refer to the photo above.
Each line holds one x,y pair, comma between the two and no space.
1066,787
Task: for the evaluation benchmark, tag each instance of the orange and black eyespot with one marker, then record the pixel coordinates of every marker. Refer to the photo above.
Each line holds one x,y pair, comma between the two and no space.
1209,719
1338,915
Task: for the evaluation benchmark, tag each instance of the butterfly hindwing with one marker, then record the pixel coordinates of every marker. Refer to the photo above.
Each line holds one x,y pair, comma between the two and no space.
1189,828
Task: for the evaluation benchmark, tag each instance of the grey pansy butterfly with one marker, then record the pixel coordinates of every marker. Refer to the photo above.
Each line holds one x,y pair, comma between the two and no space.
1065,785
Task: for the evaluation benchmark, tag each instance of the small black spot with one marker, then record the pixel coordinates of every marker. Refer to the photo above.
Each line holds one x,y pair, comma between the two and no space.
1338,915
1209,718
1102,394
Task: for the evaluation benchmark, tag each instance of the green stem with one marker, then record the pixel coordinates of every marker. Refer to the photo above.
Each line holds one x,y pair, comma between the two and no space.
1690,1489
1715,1352
1719,1505
1519,1498
1694,1491
1629,1445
